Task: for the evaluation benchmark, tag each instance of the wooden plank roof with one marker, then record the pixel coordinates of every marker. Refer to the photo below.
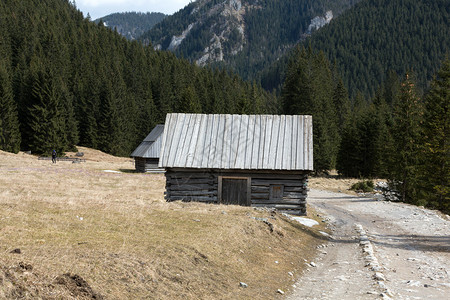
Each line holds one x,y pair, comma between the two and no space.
258,142
151,145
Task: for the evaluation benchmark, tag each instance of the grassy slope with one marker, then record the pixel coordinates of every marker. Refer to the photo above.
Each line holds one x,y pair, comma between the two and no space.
116,232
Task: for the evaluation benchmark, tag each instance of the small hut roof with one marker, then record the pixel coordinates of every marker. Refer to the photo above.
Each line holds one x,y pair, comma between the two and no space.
151,145
258,142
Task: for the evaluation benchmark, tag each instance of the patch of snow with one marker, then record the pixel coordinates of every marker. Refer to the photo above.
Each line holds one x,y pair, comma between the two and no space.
324,233
305,221
111,171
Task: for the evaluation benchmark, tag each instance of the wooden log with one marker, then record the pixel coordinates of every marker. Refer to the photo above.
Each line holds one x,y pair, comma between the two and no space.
193,193
192,198
193,187
260,189
193,175
279,176
260,196
185,176
281,202
295,212
294,196
189,181
297,183
63,159
294,189
303,198
279,206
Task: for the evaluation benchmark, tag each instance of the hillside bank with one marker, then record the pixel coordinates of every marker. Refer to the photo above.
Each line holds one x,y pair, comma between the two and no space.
98,230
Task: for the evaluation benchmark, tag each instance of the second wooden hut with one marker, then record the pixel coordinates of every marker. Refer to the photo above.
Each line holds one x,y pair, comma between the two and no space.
146,155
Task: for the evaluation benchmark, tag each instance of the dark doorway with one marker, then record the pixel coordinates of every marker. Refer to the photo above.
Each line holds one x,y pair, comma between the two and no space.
234,191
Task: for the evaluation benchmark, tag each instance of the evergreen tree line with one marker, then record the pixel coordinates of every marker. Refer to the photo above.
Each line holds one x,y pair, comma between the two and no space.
375,37
401,134
65,81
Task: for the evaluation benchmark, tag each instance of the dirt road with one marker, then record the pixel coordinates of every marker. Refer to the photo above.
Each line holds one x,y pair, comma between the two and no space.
377,250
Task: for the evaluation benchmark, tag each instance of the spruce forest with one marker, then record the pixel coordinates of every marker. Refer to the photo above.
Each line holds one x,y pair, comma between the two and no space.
66,81
375,38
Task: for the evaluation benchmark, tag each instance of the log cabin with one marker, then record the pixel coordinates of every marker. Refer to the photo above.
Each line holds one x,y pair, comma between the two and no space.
146,155
251,160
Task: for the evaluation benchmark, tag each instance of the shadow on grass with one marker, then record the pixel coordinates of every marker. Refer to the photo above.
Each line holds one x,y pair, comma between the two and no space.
129,171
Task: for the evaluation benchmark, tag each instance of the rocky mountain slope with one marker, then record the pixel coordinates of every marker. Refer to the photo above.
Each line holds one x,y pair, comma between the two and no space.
244,35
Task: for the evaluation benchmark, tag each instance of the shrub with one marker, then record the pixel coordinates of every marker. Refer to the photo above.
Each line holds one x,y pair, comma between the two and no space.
363,186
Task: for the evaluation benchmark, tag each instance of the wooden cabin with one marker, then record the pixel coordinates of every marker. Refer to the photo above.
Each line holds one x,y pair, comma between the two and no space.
146,155
252,160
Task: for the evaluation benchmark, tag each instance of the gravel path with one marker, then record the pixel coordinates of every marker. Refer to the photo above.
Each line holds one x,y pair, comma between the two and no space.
378,250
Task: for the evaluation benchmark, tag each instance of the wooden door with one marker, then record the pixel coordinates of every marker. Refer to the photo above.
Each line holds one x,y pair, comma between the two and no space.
235,191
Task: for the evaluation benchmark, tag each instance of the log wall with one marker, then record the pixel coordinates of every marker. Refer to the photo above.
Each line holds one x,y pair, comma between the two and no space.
145,164
203,185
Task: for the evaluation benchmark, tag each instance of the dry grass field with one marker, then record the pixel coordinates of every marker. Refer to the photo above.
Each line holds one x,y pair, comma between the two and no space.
80,231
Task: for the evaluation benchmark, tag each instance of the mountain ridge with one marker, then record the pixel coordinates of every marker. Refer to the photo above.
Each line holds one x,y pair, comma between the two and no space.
131,24
242,35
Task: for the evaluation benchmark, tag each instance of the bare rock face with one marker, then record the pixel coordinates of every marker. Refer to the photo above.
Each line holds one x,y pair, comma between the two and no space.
226,32
225,26
319,22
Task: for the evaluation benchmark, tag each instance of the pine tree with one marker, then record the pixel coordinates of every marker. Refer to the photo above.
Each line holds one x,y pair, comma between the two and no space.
351,155
111,130
256,100
243,105
46,120
406,133
9,123
308,90
68,115
383,142
189,102
147,117
341,103
347,163
436,146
